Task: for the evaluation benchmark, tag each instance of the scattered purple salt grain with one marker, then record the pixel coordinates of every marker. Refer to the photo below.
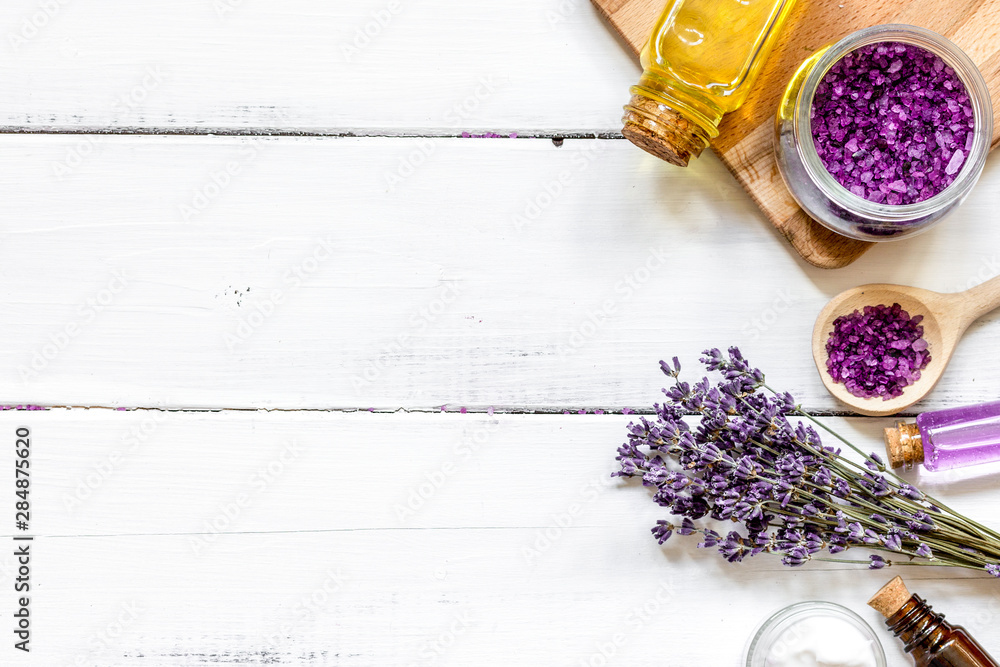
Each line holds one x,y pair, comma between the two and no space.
892,123
877,352
489,135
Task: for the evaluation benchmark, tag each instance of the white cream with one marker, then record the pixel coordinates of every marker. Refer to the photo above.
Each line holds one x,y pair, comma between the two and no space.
821,641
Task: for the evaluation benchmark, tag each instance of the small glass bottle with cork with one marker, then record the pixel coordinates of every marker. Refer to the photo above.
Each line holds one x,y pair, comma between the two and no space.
946,439
928,638
700,63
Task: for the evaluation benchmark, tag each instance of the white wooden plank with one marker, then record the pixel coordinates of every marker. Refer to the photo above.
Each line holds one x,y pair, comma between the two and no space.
387,273
312,279
317,568
365,65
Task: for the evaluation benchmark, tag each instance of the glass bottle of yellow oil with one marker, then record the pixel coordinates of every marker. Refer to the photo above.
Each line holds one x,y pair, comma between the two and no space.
699,63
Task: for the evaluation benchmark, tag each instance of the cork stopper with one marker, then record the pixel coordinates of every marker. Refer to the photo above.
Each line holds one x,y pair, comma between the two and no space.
903,445
662,131
890,598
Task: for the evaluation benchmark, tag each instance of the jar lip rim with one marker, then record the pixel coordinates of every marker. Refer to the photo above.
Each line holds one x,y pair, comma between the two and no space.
967,72
806,609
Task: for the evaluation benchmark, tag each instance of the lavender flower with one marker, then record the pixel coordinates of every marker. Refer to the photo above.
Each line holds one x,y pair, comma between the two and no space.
743,461
662,531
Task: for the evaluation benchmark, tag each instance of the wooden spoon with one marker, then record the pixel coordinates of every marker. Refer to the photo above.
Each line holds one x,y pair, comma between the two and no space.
946,317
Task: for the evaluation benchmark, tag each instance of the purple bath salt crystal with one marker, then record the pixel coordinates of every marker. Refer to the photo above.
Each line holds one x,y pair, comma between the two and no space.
892,123
954,163
877,352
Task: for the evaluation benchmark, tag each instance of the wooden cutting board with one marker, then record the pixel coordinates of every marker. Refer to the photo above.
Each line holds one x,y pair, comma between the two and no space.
744,142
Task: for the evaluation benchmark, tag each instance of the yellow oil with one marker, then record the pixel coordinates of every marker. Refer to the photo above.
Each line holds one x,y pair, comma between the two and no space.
701,62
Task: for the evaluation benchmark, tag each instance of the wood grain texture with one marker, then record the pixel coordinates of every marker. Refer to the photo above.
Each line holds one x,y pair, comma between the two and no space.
316,67
297,273
745,140
285,285
278,539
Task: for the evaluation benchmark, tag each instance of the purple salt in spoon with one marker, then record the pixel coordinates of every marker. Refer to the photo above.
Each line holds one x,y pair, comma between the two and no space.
946,317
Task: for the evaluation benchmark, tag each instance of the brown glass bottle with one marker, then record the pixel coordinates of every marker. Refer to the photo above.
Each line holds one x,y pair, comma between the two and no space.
932,642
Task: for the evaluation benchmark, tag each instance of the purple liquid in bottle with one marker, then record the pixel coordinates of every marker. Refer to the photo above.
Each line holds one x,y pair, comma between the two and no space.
960,437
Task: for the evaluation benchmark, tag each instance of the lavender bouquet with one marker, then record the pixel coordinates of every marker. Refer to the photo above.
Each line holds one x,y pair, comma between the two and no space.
747,463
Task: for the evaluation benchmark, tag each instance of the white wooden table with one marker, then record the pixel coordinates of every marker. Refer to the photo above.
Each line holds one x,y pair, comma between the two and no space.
327,383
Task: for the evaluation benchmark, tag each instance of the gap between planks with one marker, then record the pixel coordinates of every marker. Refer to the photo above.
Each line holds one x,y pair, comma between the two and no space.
588,411
292,132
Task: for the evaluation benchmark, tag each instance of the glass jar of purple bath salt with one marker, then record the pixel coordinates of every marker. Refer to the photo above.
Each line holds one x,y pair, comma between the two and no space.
881,135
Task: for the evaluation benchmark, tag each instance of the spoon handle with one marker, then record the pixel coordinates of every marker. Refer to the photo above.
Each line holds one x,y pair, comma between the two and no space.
980,300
